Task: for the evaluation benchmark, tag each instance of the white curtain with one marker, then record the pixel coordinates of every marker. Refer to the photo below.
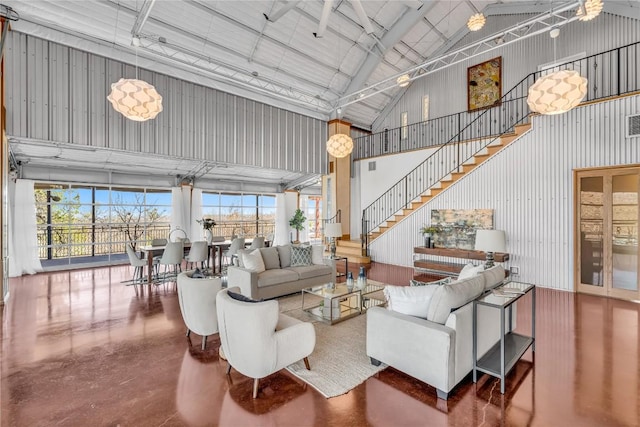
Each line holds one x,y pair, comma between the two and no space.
23,239
180,211
304,203
197,232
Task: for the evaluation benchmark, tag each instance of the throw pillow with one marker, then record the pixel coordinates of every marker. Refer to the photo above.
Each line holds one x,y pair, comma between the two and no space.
317,254
300,255
493,276
253,261
444,281
240,257
449,297
470,270
271,258
284,252
240,297
410,300
197,274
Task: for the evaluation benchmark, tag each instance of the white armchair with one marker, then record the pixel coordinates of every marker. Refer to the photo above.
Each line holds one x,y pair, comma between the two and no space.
258,340
197,299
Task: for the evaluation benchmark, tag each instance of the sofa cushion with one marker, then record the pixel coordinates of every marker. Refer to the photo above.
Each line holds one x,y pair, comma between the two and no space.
284,252
270,257
309,271
493,276
240,297
410,300
449,297
276,276
470,270
300,255
317,254
253,261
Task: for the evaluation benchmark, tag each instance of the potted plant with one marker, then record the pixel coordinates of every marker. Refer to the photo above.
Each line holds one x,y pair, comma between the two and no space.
297,222
207,223
429,232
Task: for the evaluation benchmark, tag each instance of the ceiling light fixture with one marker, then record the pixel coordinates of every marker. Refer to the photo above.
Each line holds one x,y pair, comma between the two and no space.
135,99
559,91
403,80
592,8
476,22
339,145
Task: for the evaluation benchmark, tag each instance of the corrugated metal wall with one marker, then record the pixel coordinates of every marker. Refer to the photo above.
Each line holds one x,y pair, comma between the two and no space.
529,186
447,89
57,93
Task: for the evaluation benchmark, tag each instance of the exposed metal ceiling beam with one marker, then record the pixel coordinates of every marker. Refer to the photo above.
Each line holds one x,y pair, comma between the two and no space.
362,16
142,17
286,7
393,36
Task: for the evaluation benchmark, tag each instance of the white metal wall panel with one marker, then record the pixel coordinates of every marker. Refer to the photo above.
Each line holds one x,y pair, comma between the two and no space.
447,88
529,186
57,93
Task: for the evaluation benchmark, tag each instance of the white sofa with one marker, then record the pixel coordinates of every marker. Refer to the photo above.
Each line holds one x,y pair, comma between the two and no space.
438,351
279,276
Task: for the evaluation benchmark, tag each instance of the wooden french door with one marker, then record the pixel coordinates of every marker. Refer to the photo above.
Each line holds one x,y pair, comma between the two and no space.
606,233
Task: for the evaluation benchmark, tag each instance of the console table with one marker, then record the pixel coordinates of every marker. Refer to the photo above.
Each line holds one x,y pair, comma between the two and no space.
503,356
421,261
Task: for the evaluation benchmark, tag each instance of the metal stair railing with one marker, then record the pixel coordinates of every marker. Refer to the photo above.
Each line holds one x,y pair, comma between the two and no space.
610,73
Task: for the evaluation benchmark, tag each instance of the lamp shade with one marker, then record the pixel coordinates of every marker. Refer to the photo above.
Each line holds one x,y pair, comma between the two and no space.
557,92
340,145
333,229
135,99
476,22
491,241
593,8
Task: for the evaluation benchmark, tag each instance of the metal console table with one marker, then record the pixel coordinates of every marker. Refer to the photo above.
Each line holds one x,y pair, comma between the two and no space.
503,356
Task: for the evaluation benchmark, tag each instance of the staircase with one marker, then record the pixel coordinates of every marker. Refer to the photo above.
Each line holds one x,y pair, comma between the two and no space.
484,135
475,161
352,249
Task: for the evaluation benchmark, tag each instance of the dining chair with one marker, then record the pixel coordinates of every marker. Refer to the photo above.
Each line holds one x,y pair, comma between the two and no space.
258,242
172,259
138,265
199,253
231,253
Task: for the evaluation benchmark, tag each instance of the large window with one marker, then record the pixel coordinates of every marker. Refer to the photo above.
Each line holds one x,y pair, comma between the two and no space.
79,223
240,214
313,210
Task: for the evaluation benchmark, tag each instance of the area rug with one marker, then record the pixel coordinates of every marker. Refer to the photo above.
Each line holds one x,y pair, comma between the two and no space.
339,361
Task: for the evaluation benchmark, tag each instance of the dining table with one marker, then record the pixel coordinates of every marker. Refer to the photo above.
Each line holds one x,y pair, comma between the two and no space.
215,248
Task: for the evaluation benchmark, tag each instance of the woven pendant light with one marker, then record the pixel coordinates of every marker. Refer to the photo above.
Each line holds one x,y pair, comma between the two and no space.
557,92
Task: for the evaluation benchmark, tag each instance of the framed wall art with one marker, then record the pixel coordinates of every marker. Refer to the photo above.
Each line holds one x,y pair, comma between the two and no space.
457,227
484,84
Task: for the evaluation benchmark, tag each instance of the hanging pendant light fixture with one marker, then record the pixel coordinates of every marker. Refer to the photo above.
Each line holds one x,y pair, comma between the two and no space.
135,99
559,91
476,22
339,145
592,8
403,80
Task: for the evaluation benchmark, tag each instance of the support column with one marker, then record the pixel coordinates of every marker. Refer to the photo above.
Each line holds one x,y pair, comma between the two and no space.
337,186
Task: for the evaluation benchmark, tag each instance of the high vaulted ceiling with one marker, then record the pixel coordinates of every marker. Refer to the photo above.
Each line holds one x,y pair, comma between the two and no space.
239,50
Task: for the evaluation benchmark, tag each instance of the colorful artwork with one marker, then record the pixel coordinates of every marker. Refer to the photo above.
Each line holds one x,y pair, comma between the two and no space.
484,84
457,227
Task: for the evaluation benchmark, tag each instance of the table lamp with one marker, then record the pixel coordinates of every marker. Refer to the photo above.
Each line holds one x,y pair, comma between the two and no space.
490,241
333,230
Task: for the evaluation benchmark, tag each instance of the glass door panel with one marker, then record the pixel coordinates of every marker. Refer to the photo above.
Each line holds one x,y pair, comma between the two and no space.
625,232
591,199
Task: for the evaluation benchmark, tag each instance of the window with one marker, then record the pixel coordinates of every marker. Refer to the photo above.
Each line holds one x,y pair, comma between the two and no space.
240,214
313,211
425,108
404,120
83,223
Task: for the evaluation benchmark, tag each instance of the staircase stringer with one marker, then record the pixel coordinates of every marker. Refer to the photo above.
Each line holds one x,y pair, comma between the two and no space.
443,185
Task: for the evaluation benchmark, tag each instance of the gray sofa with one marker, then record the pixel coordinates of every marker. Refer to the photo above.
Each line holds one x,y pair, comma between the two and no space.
437,348
280,277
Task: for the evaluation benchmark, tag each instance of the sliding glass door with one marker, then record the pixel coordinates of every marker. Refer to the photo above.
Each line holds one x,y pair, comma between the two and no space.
607,219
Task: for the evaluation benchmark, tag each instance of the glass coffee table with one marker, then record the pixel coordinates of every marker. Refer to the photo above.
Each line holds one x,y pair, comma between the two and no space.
335,305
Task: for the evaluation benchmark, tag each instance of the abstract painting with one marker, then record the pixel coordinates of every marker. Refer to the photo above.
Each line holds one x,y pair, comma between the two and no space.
457,227
484,84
